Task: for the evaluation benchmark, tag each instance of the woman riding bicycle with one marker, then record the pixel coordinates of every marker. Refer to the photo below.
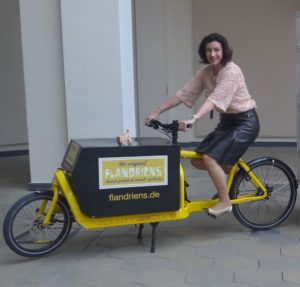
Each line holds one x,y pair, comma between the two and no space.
224,85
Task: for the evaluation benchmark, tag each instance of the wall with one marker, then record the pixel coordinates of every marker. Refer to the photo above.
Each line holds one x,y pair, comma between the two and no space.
78,65
150,58
47,53
44,86
262,34
13,129
298,87
164,41
93,68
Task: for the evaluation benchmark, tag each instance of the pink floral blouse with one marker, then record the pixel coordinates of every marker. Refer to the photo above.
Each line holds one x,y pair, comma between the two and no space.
227,91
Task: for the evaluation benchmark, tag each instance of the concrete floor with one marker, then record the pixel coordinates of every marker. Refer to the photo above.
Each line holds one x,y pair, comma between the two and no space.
198,251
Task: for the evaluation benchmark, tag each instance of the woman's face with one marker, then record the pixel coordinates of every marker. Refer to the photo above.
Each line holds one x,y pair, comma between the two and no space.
214,53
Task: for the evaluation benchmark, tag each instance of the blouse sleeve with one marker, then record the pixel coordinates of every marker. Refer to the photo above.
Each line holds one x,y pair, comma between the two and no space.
192,90
226,87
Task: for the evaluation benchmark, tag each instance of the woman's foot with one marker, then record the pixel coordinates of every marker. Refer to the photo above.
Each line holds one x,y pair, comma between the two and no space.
219,209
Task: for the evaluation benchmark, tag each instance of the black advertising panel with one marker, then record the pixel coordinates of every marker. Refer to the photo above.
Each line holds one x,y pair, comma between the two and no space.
112,180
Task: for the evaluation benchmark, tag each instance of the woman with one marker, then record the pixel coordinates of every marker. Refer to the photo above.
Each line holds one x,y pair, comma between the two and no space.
225,89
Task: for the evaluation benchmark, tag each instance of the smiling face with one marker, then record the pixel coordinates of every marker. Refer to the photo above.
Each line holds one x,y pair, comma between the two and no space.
214,53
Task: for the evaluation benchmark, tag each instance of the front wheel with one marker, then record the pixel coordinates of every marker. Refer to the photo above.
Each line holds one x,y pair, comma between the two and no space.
281,185
23,227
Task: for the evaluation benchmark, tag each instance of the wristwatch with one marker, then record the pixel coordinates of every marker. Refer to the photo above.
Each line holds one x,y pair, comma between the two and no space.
195,117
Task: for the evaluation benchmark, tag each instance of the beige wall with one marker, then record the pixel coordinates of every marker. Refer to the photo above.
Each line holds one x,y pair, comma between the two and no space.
262,35
13,128
164,44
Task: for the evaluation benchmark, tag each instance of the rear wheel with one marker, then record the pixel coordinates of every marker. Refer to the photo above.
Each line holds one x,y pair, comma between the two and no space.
280,183
24,232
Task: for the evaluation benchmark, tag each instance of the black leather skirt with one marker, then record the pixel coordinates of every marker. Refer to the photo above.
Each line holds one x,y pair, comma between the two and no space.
232,137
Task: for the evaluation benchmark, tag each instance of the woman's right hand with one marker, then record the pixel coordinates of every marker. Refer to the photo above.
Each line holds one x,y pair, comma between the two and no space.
183,125
153,116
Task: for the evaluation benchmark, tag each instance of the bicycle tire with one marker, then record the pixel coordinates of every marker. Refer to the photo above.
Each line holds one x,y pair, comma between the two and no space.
23,231
281,184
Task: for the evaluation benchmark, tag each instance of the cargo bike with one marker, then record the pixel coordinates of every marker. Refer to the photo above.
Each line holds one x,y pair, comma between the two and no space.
102,184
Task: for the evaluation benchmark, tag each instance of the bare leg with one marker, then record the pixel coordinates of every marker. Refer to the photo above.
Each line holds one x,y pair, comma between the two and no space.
218,177
217,173
226,168
199,163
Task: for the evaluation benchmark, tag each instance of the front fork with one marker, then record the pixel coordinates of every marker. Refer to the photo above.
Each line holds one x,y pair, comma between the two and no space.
53,204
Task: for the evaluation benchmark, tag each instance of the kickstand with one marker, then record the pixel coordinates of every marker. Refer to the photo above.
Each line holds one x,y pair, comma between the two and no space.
186,185
140,234
154,226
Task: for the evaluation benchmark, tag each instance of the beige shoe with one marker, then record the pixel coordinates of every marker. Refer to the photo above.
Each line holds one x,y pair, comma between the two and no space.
217,210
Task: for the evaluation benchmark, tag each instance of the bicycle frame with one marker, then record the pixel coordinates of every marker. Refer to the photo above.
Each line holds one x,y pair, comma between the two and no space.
77,195
61,184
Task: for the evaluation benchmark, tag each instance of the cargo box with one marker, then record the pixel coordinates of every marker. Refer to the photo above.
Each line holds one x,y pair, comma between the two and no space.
113,180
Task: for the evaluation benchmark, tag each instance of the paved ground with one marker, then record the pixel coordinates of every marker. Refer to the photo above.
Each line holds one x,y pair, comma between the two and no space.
199,251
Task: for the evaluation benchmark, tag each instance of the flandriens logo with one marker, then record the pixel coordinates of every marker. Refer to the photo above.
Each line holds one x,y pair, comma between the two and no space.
133,171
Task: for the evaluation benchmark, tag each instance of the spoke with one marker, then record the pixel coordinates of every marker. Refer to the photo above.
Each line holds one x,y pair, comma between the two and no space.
23,233
28,230
276,203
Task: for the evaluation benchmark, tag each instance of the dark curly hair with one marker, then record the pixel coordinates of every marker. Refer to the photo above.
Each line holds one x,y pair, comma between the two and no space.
227,52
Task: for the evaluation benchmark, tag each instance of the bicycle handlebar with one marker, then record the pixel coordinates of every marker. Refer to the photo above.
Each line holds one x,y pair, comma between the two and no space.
170,129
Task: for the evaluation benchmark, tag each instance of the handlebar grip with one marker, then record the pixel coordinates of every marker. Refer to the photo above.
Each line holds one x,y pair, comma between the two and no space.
153,124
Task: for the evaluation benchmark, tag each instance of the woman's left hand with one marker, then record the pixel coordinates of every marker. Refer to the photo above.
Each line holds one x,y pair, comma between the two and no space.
183,125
